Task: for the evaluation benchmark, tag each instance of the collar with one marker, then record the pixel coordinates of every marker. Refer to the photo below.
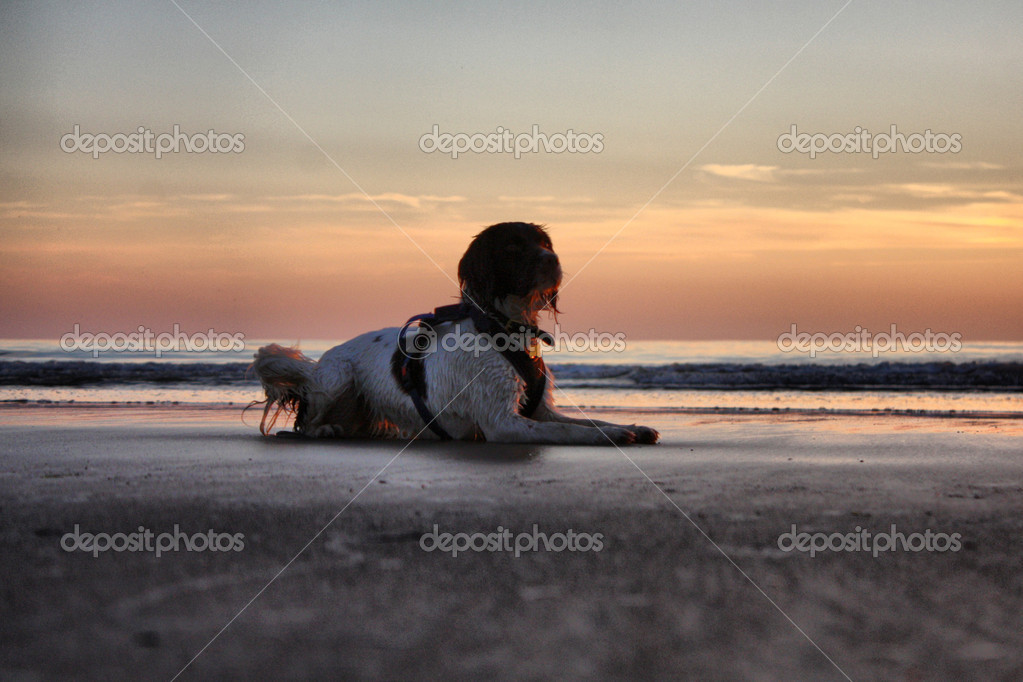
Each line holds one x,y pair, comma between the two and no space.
491,320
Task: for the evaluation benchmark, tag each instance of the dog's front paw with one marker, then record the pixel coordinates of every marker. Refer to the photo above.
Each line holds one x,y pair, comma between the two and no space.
645,435
617,435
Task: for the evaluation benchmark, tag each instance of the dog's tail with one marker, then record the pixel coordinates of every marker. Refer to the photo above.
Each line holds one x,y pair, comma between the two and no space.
287,377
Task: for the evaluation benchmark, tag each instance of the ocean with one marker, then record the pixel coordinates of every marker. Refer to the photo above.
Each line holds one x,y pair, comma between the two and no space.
984,379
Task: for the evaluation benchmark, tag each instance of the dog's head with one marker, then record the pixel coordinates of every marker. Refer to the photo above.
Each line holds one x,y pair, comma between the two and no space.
511,268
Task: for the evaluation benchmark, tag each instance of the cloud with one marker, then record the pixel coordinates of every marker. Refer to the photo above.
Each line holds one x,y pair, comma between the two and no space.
208,197
746,171
923,190
129,207
529,200
547,199
356,198
963,165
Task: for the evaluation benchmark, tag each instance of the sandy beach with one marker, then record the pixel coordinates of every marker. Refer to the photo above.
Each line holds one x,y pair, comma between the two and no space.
688,581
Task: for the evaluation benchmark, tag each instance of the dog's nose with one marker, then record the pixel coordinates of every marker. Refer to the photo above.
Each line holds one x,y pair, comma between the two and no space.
550,258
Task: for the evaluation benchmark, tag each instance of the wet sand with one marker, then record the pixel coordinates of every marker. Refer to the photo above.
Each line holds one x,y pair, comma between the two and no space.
332,580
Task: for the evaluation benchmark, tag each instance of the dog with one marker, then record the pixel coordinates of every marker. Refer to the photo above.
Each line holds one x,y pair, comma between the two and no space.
423,381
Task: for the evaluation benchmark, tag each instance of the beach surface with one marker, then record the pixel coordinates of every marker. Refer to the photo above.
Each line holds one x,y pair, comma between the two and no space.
683,576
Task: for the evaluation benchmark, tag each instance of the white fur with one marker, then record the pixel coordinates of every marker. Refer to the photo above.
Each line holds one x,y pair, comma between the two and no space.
351,392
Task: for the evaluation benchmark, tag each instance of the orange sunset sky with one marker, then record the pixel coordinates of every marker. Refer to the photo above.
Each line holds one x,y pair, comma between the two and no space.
689,223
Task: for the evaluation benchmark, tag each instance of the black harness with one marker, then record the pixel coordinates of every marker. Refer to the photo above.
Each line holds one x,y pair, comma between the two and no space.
407,363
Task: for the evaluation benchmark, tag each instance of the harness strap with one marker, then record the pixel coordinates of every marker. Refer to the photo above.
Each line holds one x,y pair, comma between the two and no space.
408,364
534,373
426,415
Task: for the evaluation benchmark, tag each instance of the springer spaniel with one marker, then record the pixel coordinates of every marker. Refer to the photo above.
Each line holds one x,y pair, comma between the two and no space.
427,381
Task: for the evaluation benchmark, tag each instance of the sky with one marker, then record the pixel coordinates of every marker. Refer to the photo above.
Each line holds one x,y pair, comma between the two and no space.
687,221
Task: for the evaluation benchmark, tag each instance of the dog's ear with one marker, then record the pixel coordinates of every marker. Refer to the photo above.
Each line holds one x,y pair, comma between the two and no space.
475,272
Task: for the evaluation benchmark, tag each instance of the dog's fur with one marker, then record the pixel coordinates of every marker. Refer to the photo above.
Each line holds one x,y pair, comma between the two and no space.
510,269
